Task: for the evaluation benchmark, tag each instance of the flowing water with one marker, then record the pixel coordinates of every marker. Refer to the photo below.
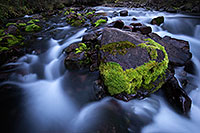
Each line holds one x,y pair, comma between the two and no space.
53,99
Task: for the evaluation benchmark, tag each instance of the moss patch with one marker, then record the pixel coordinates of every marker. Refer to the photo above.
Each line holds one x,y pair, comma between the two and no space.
82,47
32,28
131,80
118,47
99,22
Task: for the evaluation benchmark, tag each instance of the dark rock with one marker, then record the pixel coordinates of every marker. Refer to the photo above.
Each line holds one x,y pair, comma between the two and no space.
115,13
74,61
123,13
99,91
134,19
171,10
136,24
157,21
190,67
12,30
94,67
89,37
71,47
127,28
117,24
115,35
178,50
145,29
177,97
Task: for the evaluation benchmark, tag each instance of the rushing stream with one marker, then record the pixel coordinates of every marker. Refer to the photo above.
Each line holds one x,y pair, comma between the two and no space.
56,100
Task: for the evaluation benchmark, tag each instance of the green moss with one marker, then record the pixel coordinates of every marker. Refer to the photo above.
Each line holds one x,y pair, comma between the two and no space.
3,49
33,21
32,28
118,47
82,47
22,24
130,80
99,22
9,24
2,32
90,13
66,13
11,40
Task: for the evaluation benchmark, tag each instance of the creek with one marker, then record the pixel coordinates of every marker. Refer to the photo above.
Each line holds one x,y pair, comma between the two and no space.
52,99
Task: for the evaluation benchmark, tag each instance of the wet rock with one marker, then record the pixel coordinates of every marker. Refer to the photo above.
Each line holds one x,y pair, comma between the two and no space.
157,21
77,56
178,50
145,29
71,47
171,10
74,61
136,24
117,24
176,96
123,13
90,37
134,19
12,30
190,67
99,91
115,13
127,28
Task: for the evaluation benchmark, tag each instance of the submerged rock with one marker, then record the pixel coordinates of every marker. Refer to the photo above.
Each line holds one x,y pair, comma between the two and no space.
131,64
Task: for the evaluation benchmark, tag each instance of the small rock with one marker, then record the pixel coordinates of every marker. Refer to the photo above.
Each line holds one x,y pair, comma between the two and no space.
136,24
127,28
12,30
117,24
157,21
134,19
145,29
123,13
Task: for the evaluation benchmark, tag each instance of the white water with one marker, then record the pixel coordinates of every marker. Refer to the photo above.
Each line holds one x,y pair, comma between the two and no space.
49,107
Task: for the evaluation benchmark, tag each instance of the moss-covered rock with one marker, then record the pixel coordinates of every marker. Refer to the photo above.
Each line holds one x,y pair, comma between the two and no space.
118,79
157,21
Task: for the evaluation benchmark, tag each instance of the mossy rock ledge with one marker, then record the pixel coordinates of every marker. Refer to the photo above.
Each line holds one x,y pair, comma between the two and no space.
131,63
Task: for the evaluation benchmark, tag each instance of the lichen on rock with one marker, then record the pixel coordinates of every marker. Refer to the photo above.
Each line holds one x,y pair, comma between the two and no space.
131,80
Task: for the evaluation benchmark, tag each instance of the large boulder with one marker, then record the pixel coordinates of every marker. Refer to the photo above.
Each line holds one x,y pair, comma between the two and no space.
131,64
178,50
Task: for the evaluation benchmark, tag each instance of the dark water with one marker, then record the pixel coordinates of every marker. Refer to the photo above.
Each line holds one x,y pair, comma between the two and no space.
48,98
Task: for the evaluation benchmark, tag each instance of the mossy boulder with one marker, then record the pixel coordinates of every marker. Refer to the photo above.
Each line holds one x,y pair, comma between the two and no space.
134,66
